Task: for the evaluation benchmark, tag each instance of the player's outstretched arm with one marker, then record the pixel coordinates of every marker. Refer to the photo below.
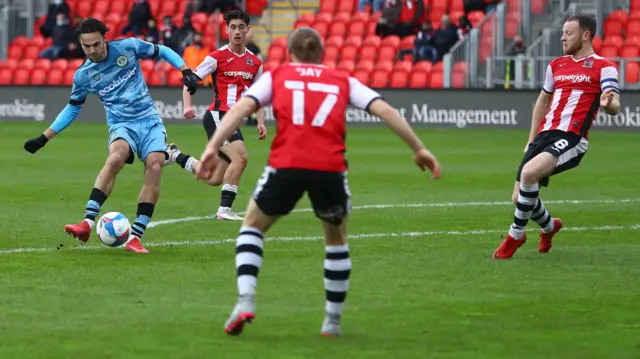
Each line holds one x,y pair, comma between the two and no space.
422,157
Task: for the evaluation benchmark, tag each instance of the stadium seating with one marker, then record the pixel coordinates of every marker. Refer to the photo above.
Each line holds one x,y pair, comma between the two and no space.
621,39
24,66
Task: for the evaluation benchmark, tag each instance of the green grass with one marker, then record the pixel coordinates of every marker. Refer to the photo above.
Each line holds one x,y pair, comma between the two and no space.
435,295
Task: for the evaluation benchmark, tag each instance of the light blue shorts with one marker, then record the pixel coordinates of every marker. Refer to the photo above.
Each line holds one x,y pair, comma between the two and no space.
143,136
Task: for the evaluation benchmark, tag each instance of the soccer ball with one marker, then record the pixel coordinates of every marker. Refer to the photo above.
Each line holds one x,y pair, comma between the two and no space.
113,229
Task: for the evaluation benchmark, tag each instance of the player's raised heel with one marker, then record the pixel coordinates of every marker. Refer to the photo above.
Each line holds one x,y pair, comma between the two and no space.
244,312
81,231
509,247
546,238
135,245
172,151
331,325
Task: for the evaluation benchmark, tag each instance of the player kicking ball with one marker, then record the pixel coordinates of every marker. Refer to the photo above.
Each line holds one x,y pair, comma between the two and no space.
307,156
576,86
234,69
111,71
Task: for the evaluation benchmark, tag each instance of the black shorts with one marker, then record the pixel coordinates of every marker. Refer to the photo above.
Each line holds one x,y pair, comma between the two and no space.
279,190
211,121
567,146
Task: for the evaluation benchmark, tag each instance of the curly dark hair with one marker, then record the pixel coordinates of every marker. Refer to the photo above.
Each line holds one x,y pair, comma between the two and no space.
236,15
90,25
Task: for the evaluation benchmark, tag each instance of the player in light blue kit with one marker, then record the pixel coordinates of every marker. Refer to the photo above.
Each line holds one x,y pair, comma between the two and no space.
111,71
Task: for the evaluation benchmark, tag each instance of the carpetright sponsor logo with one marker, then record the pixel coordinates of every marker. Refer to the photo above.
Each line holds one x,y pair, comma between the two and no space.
175,111
21,108
573,78
119,81
245,75
627,117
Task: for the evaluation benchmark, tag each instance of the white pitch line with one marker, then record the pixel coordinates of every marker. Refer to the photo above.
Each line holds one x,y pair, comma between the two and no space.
314,238
415,205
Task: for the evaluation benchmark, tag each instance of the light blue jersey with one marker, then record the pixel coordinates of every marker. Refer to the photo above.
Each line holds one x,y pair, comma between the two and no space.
118,81
119,84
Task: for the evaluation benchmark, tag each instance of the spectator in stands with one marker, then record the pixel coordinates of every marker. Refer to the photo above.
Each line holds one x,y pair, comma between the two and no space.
152,34
376,5
517,48
424,49
490,5
210,6
250,45
474,5
61,35
445,37
167,32
389,18
195,53
56,7
138,18
75,50
465,27
183,37
412,14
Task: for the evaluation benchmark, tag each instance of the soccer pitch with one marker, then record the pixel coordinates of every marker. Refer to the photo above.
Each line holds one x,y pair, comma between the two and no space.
423,283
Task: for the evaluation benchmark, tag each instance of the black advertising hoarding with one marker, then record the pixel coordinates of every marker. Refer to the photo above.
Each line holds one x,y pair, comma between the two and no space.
441,108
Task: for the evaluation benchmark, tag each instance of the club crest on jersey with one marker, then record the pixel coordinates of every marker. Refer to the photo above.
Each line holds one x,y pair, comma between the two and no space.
122,61
96,77
588,63
249,61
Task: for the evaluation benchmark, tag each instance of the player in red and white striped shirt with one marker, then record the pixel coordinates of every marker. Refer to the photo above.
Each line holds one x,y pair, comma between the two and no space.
307,156
233,69
575,87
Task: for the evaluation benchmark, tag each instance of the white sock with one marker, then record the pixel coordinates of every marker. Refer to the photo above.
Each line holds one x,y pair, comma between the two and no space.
92,223
189,165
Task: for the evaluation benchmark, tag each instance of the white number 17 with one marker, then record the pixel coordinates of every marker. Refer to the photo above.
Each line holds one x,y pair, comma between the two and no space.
298,88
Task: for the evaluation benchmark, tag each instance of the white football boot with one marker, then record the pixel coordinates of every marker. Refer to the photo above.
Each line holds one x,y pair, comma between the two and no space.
243,312
331,325
173,151
226,214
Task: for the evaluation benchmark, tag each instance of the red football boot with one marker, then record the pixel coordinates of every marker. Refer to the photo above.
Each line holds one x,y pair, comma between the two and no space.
134,245
509,247
545,238
80,231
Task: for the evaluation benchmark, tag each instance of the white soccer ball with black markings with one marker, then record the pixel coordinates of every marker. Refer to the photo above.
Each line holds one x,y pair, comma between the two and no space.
113,229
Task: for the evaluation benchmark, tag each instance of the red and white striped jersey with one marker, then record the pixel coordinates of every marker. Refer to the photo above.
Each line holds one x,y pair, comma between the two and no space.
576,85
231,74
309,104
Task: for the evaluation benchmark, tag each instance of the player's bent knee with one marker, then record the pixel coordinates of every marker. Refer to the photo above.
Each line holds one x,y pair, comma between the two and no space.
116,160
529,175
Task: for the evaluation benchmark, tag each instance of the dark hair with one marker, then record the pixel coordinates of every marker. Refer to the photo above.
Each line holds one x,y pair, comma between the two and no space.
305,43
236,15
90,25
586,23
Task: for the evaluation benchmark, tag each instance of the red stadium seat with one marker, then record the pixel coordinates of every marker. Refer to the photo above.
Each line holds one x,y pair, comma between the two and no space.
174,78
68,76
366,66
15,52
407,42
60,64
83,8
386,52
119,7
20,41
391,40
328,6
331,53
361,76
276,53
5,76
348,66
348,52
44,64
353,41
597,44
357,29
27,64
403,66
32,52
347,6
38,77
437,79
632,72
629,52
418,79
55,77
337,41
399,79
75,64
21,76
379,79
101,7
609,52
612,27
458,80
10,64
633,28
338,29
619,15
323,17
457,5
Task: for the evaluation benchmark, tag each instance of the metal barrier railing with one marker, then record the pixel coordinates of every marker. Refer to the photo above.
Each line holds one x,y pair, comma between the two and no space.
529,72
